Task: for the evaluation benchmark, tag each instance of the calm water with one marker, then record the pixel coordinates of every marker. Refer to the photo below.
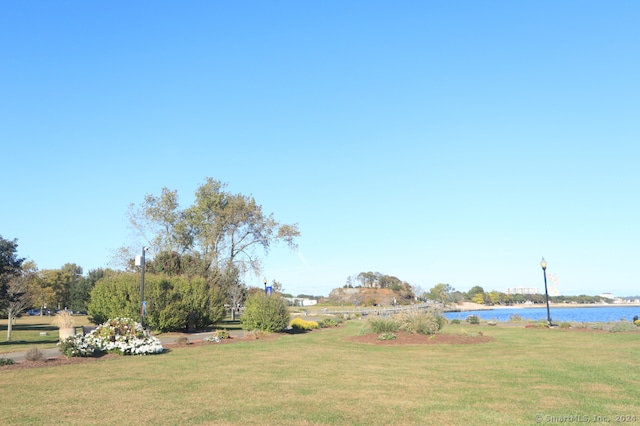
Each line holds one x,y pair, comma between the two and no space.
590,314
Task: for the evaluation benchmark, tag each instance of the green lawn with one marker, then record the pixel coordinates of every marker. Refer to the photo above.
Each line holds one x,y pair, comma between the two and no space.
319,378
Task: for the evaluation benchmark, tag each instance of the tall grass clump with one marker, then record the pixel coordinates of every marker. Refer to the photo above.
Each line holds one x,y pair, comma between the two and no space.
383,325
420,321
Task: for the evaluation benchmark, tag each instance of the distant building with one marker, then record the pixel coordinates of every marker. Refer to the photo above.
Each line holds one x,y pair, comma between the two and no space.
301,301
522,290
607,296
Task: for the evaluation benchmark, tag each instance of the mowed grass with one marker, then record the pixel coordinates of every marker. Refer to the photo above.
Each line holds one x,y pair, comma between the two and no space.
319,378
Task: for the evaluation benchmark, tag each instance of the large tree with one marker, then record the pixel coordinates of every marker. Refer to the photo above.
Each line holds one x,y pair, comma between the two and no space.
10,266
220,227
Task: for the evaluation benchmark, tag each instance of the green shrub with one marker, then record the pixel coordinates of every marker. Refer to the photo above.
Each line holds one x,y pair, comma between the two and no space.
6,361
420,321
387,336
329,322
515,318
169,300
565,325
473,319
222,334
303,325
383,325
455,321
34,354
623,326
265,313
492,322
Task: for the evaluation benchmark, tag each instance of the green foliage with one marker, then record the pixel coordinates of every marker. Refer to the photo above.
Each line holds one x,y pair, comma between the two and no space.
455,321
624,326
265,313
383,325
303,325
387,336
565,325
329,322
170,300
6,361
515,318
222,334
473,319
492,322
419,321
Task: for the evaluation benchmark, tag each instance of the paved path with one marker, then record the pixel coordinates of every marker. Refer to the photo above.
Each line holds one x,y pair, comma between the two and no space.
164,339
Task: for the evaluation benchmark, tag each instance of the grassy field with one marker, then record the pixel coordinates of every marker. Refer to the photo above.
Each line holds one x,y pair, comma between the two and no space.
31,331
319,378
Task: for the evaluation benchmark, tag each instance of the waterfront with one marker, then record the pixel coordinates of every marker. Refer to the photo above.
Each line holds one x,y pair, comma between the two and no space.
597,313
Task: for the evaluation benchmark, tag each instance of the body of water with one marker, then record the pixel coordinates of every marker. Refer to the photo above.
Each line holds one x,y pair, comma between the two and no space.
586,314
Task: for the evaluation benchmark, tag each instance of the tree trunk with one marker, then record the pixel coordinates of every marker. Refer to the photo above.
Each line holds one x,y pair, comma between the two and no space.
9,325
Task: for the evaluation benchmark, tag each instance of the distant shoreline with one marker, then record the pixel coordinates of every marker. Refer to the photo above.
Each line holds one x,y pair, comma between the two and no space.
468,306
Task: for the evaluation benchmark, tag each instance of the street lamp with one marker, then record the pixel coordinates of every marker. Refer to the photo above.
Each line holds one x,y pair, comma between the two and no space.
143,305
543,263
265,286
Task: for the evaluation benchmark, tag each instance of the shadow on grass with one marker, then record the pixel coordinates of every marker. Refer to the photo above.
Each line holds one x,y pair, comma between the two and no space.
29,327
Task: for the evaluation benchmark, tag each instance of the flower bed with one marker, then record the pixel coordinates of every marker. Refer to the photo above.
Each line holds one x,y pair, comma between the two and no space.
121,335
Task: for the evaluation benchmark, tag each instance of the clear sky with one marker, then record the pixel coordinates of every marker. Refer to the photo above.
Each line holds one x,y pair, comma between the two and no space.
438,142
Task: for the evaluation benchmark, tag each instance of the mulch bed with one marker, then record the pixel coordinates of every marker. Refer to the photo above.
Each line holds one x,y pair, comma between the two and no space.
403,338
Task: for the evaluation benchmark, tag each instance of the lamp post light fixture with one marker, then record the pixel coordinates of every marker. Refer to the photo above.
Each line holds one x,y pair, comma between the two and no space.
543,263
265,286
143,304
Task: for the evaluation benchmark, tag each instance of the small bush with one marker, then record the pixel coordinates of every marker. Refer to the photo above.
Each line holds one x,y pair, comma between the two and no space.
121,335
34,354
455,321
515,318
265,313
303,325
182,340
387,336
473,319
623,326
492,322
255,335
565,325
6,361
222,334
383,325
329,322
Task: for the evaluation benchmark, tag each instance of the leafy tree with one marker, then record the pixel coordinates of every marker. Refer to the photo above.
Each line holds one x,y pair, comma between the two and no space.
10,266
475,290
17,300
265,313
220,227
441,293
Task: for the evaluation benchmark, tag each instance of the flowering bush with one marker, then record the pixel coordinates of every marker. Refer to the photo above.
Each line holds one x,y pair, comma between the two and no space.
302,325
120,335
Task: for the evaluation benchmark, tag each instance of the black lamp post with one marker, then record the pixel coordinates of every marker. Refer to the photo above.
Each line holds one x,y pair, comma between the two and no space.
543,263
142,303
265,286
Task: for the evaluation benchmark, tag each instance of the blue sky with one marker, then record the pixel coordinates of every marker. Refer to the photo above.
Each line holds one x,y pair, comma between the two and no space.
439,142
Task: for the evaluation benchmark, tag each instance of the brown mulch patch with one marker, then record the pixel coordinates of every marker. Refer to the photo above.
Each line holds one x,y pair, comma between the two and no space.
403,338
